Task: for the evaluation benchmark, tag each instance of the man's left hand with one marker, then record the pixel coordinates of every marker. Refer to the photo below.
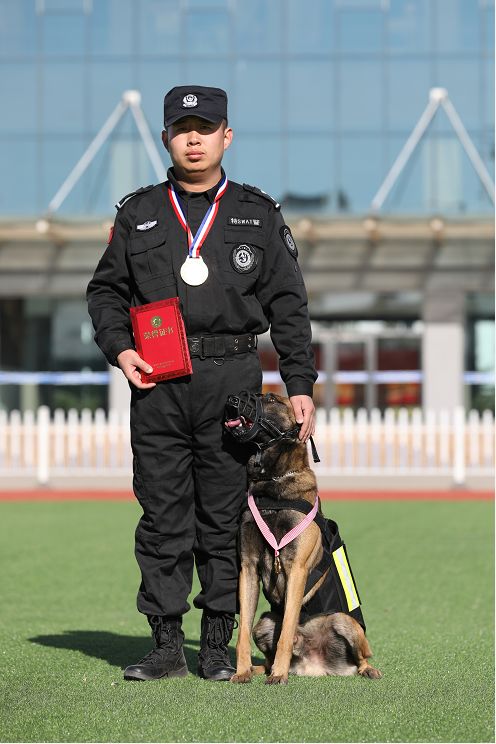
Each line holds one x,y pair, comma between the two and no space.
305,414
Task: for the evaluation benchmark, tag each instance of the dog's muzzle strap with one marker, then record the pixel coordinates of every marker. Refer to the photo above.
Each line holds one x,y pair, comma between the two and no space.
315,454
283,435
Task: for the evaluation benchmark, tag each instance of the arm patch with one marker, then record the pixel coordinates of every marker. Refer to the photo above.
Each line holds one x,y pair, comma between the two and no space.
288,240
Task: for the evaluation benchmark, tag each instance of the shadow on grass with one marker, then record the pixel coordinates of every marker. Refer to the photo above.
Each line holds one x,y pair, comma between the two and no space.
117,650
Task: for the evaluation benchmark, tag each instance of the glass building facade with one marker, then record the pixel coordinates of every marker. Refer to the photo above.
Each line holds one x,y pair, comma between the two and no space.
322,96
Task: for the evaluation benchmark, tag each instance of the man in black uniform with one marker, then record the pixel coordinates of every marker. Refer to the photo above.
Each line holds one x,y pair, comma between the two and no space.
225,251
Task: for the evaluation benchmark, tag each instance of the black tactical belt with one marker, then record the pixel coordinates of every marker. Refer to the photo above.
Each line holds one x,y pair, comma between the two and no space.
221,346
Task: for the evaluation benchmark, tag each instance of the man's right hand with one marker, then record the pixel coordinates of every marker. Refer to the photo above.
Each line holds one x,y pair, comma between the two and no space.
131,364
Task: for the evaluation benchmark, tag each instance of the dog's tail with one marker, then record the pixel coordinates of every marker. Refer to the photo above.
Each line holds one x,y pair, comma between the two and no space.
266,634
267,631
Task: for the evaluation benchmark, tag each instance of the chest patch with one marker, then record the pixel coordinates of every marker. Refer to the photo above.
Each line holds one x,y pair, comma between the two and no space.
243,258
146,225
288,240
245,221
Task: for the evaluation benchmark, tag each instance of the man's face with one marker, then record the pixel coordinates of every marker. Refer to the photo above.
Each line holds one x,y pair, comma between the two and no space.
196,145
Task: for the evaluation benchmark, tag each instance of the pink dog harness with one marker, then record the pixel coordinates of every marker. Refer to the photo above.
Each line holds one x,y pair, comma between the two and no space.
288,537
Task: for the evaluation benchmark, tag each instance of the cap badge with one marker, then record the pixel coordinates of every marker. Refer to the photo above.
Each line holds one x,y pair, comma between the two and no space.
243,258
190,101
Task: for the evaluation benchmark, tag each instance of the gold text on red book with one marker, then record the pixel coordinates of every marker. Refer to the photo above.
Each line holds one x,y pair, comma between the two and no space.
160,332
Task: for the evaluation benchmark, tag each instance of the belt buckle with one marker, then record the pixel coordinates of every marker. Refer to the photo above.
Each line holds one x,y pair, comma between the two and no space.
196,345
252,341
202,353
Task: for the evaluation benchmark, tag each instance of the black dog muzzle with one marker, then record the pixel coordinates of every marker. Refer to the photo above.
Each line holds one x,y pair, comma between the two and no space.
254,426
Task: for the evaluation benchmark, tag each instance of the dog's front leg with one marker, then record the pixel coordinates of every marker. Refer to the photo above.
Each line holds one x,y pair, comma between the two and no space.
249,589
294,596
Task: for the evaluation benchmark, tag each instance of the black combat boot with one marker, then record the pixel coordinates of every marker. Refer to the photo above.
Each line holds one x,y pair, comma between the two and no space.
167,658
216,632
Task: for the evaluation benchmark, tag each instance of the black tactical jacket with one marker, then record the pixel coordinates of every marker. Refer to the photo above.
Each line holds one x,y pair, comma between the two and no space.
143,265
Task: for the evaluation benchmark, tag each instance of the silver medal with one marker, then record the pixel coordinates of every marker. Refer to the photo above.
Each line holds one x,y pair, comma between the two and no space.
194,271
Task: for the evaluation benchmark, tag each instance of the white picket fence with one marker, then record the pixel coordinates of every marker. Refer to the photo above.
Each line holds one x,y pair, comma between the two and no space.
398,442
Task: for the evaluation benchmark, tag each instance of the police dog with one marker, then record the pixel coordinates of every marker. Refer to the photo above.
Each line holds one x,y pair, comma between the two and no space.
324,644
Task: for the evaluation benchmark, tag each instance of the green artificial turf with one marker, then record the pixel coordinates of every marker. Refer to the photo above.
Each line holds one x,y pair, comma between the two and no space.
69,625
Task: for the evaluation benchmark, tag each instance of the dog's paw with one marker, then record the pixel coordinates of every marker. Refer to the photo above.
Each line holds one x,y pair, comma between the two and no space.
241,678
371,673
277,679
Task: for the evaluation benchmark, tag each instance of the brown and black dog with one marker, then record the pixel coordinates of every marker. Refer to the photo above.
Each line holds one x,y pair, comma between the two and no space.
324,644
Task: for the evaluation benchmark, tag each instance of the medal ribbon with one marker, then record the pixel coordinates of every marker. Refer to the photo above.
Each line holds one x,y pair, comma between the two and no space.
289,536
195,243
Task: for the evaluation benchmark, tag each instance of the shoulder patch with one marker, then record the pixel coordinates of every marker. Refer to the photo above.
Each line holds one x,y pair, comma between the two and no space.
131,194
288,240
259,192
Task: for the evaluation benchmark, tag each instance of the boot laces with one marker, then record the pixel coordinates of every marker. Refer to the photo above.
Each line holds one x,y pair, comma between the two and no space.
218,634
218,631
164,633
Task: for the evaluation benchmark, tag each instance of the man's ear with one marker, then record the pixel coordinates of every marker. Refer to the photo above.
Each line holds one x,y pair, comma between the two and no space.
165,139
228,136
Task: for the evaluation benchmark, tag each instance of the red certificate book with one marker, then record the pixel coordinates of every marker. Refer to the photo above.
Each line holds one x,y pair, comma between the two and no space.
160,339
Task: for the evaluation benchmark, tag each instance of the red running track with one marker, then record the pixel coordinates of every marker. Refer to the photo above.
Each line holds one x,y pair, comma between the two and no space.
42,494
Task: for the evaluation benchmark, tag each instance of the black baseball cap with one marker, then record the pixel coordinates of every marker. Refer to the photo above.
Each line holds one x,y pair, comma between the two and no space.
195,100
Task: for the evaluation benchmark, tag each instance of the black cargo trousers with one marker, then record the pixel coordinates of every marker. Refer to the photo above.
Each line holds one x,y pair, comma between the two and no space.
190,479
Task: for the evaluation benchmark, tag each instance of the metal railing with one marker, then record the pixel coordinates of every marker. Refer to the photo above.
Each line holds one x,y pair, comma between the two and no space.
396,442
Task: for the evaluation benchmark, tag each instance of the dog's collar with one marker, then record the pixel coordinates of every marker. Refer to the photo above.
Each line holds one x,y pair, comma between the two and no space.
285,475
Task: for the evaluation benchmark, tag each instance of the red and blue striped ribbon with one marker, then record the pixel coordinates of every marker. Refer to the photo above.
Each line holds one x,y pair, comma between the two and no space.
195,243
